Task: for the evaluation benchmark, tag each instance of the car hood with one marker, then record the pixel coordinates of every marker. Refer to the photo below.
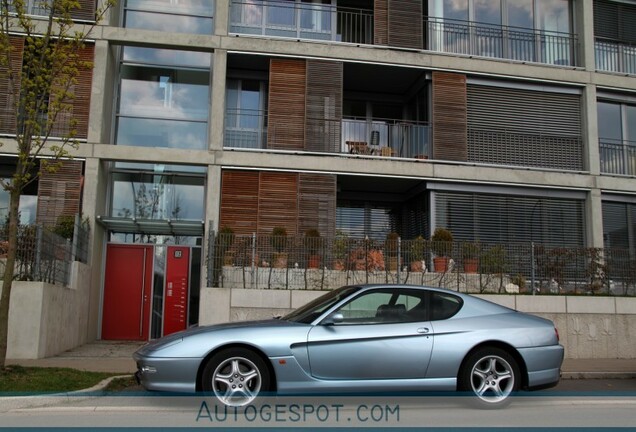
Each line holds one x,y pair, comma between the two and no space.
239,331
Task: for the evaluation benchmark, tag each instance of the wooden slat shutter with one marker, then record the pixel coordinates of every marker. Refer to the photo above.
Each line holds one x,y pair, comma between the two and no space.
59,193
7,110
86,11
380,22
449,116
286,112
613,20
317,203
405,24
324,106
278,202
239,201
81,102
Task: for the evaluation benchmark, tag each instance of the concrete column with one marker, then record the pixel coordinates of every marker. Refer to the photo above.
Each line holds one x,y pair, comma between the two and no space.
101,94
584,26
594,219
590,130
221,17
217,107
212,211
95,192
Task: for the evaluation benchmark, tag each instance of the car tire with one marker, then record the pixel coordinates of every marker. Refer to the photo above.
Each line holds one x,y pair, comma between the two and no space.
236,376
490,376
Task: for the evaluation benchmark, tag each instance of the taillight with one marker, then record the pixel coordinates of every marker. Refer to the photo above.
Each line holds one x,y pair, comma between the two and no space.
556,331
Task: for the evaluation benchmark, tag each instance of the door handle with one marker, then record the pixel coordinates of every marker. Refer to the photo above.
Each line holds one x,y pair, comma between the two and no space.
423,330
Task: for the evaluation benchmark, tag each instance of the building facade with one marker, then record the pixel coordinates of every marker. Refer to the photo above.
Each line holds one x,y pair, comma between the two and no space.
500,120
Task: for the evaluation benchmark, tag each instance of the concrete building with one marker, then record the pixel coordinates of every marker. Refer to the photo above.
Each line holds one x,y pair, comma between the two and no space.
501,120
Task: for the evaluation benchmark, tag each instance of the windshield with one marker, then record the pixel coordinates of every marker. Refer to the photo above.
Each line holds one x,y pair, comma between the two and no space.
308,313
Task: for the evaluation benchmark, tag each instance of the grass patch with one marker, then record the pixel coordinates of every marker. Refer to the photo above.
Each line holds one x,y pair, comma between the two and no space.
18,379
123,384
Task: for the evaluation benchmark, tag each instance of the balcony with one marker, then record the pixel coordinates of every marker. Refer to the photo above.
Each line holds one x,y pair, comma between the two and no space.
496,41
354,25
612,56
301,21
365,137
617,156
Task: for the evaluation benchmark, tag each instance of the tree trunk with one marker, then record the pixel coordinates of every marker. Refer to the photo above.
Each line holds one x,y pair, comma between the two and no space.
14,204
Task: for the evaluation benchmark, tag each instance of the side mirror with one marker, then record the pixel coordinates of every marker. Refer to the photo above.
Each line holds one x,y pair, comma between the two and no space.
333,319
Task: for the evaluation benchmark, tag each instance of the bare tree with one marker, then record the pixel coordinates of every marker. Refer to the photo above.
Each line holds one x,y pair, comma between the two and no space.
40,92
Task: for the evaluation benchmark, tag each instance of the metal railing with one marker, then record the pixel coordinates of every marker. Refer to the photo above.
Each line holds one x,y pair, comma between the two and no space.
617,156
301,20
375,137
614,56
540,150
44,256
498,41
297,262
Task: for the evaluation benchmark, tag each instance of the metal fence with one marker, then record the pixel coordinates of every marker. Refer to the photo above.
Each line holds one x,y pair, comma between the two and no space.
514,43
323,263
614,56
375,137
44,256
617,156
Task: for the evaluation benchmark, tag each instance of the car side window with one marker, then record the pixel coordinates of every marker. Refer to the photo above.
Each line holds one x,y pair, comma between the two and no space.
444,306
381,307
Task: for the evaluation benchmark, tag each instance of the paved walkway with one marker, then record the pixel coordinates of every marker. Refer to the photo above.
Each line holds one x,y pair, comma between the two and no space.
106,356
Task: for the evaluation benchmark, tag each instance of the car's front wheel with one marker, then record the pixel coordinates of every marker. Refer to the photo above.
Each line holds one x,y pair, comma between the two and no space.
491,375
236,376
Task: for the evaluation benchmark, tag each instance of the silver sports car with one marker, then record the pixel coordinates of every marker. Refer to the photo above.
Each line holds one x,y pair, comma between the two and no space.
369,338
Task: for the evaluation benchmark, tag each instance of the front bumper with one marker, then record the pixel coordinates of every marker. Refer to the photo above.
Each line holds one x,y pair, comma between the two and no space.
167,374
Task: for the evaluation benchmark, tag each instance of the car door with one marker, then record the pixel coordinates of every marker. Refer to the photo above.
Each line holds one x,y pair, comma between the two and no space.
383,335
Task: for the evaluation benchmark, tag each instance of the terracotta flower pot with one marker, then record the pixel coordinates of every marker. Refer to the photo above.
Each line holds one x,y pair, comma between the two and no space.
441,264
280,260
471,265
314,262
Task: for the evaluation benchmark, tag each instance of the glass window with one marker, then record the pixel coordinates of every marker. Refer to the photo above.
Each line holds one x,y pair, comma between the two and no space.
444,306
160,105
520,13
281,14
609,121
185,16
488,11
157,196
386,307
554,15
315,15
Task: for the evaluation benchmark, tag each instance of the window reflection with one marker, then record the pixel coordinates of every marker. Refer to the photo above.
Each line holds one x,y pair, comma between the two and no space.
185,16
157,196
161,105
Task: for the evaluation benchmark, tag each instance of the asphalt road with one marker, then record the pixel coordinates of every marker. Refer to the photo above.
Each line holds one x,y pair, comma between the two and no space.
574,404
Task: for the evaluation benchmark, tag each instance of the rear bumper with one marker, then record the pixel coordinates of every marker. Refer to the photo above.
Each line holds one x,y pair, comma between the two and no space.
543,365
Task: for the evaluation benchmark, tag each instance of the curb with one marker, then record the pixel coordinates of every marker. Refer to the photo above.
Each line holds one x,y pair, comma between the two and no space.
597,375
10,403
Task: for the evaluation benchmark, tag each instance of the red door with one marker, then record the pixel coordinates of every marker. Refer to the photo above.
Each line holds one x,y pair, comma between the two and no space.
127,292
175,312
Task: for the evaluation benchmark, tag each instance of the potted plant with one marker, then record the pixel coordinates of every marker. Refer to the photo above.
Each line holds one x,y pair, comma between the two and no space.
470,257
340,246
313,245
279,243
417,252
226,240
391,248
441,245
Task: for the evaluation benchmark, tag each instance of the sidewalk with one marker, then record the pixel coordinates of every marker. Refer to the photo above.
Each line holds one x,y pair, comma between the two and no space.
106,356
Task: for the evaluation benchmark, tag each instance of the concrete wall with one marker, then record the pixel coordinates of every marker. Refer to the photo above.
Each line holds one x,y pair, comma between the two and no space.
589,327
46,319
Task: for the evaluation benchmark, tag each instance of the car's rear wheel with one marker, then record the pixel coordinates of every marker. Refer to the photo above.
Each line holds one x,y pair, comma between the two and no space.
491,375
236,376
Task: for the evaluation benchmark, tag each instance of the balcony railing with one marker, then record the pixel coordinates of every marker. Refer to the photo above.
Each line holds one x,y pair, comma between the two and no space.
618,156
614,56
302,21
375,137
514,43
325,22
323,263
